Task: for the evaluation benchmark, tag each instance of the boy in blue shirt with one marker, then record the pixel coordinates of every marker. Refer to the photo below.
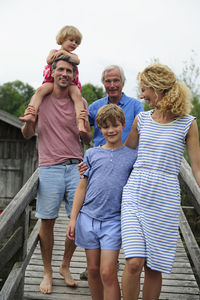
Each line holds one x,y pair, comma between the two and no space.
95,221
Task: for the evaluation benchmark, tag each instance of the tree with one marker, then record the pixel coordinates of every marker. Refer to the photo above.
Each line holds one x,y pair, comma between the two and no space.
15,96
92,93
191,76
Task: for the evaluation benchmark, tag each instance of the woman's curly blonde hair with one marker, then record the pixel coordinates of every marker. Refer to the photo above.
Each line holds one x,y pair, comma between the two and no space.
177,96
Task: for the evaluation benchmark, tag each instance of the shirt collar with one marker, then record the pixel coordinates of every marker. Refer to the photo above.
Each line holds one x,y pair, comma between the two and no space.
121,101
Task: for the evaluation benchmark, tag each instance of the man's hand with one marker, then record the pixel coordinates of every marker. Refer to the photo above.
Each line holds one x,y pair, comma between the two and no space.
85,136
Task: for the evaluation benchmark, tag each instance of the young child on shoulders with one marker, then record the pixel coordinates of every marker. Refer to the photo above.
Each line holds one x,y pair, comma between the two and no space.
69,37
95,222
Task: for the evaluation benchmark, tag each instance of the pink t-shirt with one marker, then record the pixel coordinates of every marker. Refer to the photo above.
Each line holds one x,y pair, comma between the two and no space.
58,136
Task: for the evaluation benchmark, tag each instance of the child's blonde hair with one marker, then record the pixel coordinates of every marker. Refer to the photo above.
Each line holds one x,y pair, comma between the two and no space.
66,32
110,112
177,96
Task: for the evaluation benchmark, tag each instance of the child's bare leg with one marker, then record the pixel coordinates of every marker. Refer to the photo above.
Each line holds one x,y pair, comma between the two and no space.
109,274
94,278
36,100
76,97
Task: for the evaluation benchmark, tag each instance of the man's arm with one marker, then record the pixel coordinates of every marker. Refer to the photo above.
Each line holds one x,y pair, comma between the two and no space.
85,136
28,130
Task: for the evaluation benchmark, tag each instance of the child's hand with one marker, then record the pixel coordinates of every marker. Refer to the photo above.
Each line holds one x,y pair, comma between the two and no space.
70,233
82,168
61,52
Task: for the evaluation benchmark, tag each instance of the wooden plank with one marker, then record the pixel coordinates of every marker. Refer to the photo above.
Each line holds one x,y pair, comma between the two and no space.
189,185
190,242
11,246
180,284
16,207
10,286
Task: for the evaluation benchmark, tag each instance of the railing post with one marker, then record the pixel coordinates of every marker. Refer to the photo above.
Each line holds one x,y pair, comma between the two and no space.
25,221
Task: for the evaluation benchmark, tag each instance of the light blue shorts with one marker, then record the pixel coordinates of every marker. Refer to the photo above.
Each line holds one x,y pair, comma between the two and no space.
56,183
94,234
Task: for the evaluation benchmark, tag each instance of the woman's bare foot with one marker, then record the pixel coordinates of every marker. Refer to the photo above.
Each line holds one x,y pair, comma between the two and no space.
46,284
68,277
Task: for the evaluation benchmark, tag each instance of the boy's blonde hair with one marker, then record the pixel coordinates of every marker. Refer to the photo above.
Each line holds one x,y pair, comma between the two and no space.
66,32
110,112
177,96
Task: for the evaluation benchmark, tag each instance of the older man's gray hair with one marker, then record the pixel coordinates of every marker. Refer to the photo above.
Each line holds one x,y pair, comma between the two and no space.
110,68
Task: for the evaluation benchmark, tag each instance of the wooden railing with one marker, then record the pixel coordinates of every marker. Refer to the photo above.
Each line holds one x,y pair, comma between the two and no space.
16,248
192,192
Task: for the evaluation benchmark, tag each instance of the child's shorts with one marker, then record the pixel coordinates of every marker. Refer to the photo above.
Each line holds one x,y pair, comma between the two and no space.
94,234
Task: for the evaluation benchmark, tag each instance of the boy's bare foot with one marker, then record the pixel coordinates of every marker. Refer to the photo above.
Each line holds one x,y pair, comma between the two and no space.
68,277
28,118
46,284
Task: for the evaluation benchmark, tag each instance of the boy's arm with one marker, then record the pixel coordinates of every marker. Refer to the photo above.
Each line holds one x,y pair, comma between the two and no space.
72,55
79,197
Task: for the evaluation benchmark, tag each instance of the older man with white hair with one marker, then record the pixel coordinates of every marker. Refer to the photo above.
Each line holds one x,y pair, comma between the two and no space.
113,79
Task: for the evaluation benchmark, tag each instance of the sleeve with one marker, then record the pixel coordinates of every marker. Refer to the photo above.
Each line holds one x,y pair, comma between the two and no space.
139,121
188,124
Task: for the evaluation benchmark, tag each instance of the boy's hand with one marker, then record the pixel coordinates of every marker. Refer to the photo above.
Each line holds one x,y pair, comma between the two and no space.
82,168
70,233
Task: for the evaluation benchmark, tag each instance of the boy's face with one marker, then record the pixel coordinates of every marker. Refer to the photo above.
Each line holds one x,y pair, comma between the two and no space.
112,132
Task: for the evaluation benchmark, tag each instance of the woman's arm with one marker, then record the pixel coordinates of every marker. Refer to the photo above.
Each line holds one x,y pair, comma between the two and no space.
192,144
79,197
133,138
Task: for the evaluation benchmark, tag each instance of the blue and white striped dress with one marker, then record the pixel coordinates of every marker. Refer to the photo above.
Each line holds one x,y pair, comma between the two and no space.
151,197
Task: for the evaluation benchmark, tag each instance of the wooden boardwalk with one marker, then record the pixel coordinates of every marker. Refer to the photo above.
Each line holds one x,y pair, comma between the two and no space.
179,285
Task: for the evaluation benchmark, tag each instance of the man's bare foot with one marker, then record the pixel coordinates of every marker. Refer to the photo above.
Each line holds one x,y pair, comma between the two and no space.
46,284
68,277
28,118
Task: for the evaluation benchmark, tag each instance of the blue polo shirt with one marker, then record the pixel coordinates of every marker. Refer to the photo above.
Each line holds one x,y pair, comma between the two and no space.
131,108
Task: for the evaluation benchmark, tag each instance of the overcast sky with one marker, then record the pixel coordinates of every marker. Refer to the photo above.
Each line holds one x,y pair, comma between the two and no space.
129,33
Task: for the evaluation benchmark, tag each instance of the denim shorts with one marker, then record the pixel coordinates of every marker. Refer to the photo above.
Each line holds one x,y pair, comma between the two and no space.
56,183
94,234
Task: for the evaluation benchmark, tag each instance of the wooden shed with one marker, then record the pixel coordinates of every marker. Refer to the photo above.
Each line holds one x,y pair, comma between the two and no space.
18,157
